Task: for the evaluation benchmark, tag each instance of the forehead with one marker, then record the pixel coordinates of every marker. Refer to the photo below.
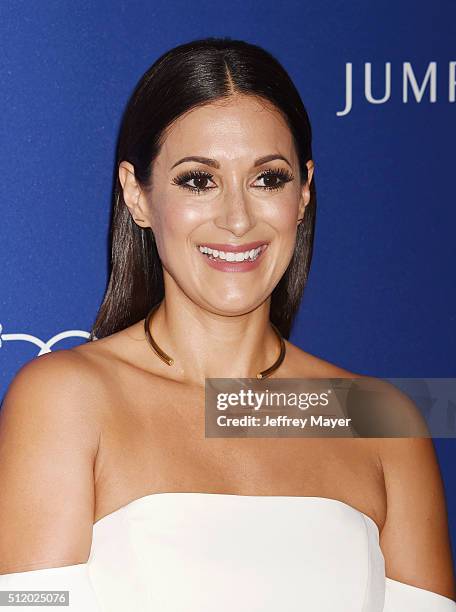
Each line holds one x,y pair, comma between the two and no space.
242,126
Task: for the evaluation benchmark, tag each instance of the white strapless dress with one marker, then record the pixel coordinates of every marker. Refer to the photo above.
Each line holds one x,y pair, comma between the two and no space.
211,552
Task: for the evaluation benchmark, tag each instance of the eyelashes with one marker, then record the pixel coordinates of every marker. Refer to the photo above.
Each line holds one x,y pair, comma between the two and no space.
202,177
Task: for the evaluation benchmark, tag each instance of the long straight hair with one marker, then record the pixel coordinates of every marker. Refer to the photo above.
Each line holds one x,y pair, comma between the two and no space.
188,76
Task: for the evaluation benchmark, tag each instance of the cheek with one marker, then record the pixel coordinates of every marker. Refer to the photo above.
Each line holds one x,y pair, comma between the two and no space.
175,223
282,216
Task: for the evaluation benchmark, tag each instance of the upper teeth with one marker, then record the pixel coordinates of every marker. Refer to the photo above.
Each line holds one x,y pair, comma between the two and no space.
229,255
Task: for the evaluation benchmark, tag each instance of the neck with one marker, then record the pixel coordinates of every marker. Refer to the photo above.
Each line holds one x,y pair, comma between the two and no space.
204,344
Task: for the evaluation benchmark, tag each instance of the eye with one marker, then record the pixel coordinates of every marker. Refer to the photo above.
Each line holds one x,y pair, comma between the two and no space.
199,178
275,178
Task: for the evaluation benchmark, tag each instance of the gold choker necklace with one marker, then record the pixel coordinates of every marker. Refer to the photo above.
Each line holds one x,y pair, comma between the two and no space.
170,361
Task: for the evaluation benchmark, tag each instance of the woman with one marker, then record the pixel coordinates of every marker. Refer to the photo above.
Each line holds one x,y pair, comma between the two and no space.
113,491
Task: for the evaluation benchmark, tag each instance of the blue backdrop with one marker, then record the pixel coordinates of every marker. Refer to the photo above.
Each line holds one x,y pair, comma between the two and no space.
381,294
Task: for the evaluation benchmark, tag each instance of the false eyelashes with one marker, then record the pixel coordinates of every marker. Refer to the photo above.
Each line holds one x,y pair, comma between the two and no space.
284,176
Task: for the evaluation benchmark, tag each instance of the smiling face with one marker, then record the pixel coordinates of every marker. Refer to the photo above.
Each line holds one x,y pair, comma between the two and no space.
224,203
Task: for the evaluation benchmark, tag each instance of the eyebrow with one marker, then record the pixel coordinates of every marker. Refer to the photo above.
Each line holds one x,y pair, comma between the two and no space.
215,164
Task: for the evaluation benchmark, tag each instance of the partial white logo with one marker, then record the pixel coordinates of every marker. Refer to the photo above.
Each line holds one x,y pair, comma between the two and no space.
45,347
409,80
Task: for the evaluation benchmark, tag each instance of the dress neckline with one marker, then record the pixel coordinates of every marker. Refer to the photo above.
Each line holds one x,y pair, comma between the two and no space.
154,496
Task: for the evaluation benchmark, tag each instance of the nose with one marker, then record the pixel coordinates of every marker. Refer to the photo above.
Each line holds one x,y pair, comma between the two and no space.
235,214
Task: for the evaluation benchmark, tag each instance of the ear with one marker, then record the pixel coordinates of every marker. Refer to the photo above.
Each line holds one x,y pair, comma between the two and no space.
133,195
305,192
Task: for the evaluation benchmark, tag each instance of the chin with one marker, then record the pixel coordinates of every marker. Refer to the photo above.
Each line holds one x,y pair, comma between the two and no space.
235,307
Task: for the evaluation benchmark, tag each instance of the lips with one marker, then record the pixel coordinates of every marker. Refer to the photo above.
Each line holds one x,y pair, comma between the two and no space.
220,256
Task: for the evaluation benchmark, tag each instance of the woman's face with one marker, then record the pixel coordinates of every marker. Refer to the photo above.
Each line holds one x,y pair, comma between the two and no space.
230,200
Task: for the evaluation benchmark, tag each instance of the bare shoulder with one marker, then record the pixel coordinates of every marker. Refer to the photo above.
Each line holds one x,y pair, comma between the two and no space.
49,436
415,539
306,365
301,363
113,355
65,376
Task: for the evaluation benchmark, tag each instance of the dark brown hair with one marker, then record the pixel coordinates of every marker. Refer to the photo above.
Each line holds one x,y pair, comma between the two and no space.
191,75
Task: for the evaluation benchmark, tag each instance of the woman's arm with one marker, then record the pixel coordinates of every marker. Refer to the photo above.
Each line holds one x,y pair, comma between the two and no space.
415,538
49,434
